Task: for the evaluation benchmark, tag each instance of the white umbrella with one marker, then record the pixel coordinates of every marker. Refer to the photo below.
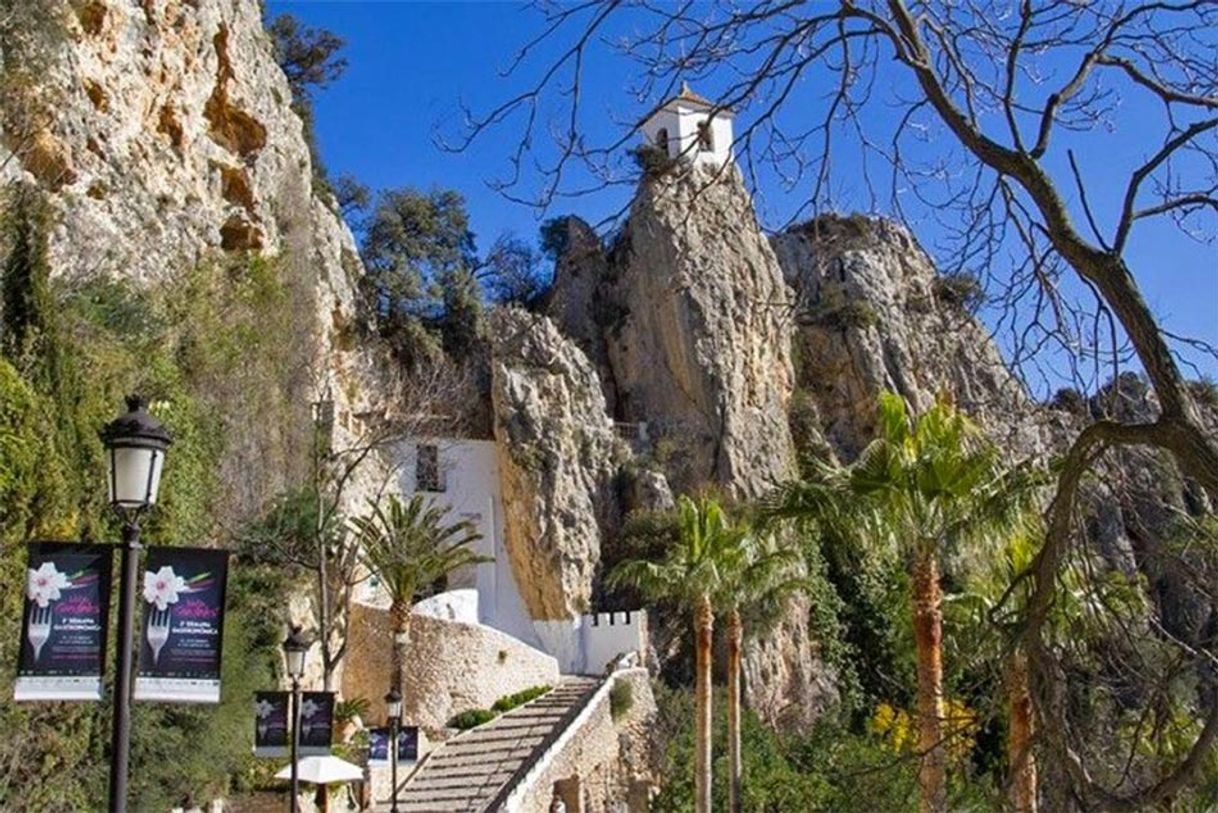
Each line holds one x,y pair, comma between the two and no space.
324,771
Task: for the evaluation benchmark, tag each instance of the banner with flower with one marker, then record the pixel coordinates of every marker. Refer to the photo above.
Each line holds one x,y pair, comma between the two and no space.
316,723
378,746
182,634
271,724
63,629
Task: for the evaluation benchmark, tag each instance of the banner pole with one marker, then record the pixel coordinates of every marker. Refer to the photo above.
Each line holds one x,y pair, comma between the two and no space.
295,743
120,745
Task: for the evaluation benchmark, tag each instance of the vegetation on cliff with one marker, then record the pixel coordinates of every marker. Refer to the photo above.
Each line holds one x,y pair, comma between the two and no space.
210,348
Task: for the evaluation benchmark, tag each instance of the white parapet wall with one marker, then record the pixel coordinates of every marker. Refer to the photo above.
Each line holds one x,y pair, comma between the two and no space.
587,644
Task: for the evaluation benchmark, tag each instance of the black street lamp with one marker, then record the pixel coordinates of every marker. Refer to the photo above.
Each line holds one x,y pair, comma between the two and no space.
393,706
294,649
135,455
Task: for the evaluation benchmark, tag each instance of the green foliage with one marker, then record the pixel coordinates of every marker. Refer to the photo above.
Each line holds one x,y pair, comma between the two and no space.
347,710
419,252
512,272
308,56
412,546
653,161
1205,390
837,310
511,701
697,566
472,718
621,699
74,350
554,234
961,290
834,768
309,59
1068,399
32,33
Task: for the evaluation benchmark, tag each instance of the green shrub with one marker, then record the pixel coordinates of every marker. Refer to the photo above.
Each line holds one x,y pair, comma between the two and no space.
1205,390
836,309
654,161
961,290
207,346
472,718
347,710
621,699
511,701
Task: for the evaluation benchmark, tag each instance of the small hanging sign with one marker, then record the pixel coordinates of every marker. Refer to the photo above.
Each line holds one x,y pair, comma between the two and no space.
271,724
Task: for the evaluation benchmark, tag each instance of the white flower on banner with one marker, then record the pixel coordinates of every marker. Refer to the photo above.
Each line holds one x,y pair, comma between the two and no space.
162,588
308,708
263,709
45,584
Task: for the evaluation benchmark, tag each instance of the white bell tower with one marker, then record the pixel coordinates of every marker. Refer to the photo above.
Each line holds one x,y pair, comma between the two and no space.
685,129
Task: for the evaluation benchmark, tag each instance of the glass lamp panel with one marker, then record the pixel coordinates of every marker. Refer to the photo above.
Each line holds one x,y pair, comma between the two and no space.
296,662
128,476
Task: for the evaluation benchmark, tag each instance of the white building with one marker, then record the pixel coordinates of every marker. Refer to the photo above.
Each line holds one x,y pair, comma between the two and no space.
690,128
464,476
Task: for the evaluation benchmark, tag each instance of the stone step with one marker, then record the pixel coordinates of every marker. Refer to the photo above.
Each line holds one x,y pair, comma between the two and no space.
467,772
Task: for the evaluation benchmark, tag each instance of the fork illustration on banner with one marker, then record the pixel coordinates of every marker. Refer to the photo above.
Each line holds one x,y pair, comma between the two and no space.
39,628
158,631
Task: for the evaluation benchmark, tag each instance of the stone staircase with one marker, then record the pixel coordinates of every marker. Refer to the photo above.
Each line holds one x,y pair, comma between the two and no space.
473,771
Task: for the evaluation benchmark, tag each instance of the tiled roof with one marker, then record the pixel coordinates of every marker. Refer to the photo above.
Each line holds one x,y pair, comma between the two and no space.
689,97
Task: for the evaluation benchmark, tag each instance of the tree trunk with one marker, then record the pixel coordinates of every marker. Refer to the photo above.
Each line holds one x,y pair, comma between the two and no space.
735,639
1019,738
704,622
928,643
399,619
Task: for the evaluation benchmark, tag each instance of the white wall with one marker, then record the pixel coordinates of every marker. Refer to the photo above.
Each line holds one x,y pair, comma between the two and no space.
488,595
681,121
585,645
470,471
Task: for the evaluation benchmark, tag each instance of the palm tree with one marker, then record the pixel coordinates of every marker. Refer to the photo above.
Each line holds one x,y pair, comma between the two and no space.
411,549
761,576
691,574
930,485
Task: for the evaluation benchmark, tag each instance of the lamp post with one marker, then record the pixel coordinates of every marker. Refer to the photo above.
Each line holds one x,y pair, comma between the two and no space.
294,649
135,455
393,705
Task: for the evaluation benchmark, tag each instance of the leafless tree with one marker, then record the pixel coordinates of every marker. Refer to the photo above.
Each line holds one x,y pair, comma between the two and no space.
971,115
307,527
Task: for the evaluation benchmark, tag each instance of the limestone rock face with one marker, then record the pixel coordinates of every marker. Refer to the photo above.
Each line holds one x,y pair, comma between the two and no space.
170,142
692,310
874,315
699,348
558,459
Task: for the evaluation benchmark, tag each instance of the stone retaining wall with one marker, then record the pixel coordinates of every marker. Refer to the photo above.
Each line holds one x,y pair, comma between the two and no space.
453,666
602,762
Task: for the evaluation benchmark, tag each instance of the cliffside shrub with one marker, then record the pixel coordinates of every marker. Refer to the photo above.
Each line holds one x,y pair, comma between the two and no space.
960,290
511,701
653,161
835,309
472,718
621,699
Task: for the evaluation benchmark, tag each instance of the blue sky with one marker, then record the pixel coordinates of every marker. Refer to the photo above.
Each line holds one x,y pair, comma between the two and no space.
412,64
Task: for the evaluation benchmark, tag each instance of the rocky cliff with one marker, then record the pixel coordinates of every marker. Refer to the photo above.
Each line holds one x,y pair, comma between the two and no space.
162,137
558,458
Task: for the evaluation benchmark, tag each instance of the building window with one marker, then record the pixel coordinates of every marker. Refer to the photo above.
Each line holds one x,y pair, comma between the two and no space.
706,137
662,139
427,475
